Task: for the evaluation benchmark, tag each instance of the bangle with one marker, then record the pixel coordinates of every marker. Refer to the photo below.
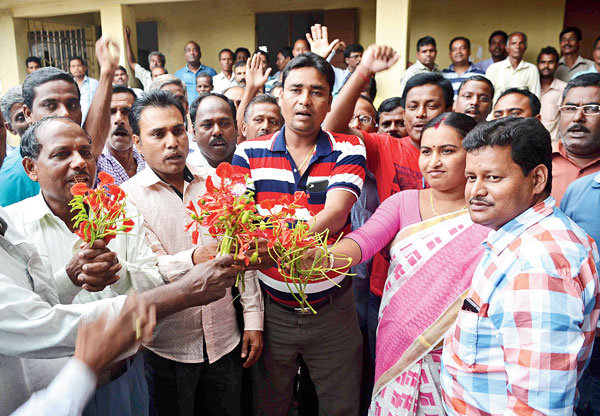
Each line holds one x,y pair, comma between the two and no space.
363,76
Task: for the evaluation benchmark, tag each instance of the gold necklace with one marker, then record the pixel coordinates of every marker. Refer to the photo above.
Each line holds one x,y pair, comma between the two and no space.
306,158
435,214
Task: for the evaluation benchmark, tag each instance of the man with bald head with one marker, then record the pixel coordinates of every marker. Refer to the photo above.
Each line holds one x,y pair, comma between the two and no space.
193,66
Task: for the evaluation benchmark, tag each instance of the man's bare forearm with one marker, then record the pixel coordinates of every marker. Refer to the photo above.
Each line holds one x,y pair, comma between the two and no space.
97,122
167,299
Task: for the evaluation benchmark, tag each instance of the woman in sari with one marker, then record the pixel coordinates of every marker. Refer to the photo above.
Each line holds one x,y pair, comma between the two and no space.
434,250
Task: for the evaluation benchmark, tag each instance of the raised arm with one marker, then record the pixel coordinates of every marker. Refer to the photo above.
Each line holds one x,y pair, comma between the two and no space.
97,122
375,59
256,78
128,51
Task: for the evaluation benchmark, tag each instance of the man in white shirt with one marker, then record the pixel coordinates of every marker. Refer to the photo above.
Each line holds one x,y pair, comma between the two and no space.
426,54
87,85
514,72
571,62
224,79
155,59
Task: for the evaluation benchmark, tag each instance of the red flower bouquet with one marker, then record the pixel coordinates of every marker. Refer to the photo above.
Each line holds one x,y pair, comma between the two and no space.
101,211
229,212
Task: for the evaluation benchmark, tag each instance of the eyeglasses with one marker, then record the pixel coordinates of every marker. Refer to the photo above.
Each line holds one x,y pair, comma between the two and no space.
588,110
362,119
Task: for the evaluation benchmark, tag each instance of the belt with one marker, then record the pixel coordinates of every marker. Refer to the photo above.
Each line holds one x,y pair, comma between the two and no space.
115,371
334,294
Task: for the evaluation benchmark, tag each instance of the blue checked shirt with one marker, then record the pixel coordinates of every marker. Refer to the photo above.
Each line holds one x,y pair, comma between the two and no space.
537,291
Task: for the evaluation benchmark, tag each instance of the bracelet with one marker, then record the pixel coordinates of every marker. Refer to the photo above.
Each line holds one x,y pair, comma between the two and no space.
363,76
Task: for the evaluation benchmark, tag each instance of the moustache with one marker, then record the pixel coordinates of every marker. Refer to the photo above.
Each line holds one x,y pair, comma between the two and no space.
217,140
120,129
578,127
473,109
482,200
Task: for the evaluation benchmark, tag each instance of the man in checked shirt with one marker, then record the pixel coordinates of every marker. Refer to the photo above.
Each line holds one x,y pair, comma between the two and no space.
526,328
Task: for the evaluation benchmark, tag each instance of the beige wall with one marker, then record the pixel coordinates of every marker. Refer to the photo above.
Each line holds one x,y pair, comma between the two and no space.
216,24
541,20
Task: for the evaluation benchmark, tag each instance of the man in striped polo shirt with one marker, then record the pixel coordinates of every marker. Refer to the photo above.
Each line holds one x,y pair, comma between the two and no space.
330,168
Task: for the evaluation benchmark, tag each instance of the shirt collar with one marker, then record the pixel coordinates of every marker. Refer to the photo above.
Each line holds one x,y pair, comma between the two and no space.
148,177
596,181
578,61
200,69
421,65
37,209
506,63
324,142
497,241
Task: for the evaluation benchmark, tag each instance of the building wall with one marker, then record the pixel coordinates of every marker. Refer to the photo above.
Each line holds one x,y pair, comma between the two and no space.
540,20
216,24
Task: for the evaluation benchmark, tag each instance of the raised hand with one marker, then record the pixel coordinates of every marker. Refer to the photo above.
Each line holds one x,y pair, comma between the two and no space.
94,267
127,32
256,76
107,52
378,58
318,39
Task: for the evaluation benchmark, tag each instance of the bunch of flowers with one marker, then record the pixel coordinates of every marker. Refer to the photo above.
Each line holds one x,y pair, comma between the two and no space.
101,211
229,212
290,239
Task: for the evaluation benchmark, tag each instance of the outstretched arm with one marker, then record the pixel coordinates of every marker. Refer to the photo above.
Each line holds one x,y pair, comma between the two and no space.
97,122
375,59
256,78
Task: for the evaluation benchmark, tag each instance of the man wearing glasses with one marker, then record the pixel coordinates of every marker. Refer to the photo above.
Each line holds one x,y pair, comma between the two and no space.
577,153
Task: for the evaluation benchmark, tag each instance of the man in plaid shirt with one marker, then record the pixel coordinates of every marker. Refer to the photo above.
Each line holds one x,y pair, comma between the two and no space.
527,325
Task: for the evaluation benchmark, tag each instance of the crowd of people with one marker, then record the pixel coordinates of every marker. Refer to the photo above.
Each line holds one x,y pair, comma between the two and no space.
467,205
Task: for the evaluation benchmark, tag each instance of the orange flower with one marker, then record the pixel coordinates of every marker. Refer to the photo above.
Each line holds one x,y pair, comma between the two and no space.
80,189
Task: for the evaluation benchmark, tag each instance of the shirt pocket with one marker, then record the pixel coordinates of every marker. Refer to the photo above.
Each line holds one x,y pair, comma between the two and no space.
465,336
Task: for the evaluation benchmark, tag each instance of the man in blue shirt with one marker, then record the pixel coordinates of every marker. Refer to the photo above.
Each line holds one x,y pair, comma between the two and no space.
188,73
581,202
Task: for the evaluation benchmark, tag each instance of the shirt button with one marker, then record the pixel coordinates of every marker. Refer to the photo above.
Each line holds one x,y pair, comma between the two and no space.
295,170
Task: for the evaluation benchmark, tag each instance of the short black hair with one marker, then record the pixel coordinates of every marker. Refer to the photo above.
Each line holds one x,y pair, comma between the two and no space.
261,98
529,140
596,42
204,75
117,89
42,76
548,50
122,68
286,51
573,29
76,58
390,104
194,43
226,50
367,99
266,54
239,63
498,33
33,59
424,41
585,80
354,47
430,78
534,101
276,84
310,60
198,100
241,49
477,78
460,122
156,98
454,39
30,146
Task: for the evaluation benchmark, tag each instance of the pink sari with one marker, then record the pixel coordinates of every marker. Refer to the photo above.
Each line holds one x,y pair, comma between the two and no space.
430,271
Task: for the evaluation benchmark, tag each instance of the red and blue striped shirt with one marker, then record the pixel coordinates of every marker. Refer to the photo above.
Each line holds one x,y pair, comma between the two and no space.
337,163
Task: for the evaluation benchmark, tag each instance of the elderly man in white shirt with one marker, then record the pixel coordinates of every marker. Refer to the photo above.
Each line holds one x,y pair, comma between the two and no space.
57,153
